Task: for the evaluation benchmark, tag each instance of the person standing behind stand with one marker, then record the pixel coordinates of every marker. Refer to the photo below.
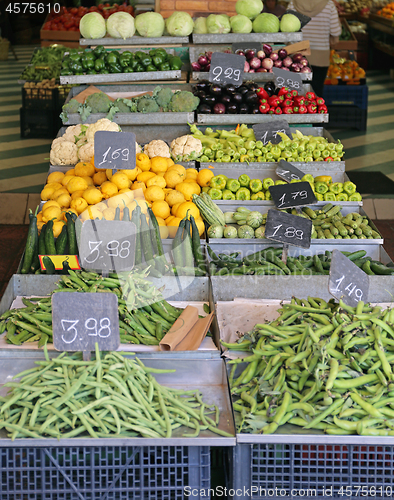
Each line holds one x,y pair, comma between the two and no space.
322,31
272,7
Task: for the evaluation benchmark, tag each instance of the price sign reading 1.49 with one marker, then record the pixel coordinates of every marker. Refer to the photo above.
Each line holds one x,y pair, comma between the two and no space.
80,320
288,229
269,131
226,68
288,79
347,281
114,150
288,172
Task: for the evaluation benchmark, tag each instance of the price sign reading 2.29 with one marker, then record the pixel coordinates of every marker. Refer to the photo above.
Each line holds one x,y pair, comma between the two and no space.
226,68
81,320
114,150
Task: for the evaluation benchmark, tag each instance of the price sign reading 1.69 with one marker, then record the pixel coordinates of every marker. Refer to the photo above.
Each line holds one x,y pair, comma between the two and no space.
226,68
114,150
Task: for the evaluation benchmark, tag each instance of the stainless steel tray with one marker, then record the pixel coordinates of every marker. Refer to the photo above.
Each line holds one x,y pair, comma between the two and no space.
135,40
226,119
248,37
123,77
254,77
135,119
209,376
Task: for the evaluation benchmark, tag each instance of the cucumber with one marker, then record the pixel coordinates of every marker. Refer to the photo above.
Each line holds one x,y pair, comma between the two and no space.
176,245
160,260
187,246
50,239
61,241
49,266
32,236
117,213
72,237
41,241
135,217
381,269
126,214
146,241
196,246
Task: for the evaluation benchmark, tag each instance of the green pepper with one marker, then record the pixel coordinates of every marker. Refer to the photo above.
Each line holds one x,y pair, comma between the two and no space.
228,195
157,60
76,67
276,152
308,178
218,182
256,185
215,194
319,197
139,68
243,193
115,68
355,197
66,62
336,187
329,197
150,67
321,187
165,66
125,58
139,54
258,196
91,72
146,60
176,63
112,58
349,187
233,185
99,51
99,64
267,182
244,180
75,56
87,63
342,197
66,72
127,69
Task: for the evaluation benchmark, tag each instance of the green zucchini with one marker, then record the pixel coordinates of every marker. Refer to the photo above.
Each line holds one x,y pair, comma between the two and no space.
187,246
135,217
50,239
72,237
176,245
146,240
49,266
196,245
41,241
61,241
126,214
31,244
160,261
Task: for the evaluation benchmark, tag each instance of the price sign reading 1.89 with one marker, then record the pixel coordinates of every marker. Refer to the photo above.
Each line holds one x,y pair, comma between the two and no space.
347,281
288,229
226,68
80,320
288,79
114,150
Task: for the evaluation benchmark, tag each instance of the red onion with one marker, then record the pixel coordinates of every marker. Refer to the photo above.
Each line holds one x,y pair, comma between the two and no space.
209,55
207,67
246,67
285,69
295,67
297,57
240,53
202,60
267,48
255,63
305,69
278,64
287,62
252,71
261,70
282,53
261,54
196,66
270,71
304,61
250,54
267,63
274,56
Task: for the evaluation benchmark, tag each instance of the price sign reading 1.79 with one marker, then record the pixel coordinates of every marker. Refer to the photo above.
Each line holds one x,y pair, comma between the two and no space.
226,68
114,150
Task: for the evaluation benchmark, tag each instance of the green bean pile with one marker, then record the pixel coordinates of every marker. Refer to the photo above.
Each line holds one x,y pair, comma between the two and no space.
65,397
319,365
144,316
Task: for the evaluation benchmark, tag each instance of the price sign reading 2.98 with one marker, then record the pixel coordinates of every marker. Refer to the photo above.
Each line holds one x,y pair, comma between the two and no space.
226,68
283,78
114,150
81,320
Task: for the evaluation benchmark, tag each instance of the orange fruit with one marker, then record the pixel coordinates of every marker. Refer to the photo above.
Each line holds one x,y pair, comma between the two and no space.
161,209
187,206
204,177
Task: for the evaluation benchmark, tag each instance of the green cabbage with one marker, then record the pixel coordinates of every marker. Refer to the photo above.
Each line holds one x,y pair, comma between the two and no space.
249,8
92,25
290,23
266,23
179,24
150,24
241,24
120,25
218,23
200,26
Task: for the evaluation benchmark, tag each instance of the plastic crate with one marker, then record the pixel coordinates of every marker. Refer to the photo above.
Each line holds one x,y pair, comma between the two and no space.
347,117
329,471
346,95
42,124
110,472
39,98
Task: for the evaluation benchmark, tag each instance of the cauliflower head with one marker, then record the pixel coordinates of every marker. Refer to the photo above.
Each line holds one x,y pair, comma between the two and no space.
186,148
86,152
103,124
57,140
138,148
64,153
73,133
157,148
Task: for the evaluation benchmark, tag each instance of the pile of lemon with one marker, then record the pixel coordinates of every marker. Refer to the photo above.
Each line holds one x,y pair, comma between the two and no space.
155,182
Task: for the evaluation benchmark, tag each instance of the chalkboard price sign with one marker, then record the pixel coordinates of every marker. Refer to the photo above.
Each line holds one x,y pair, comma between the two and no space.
347,281
114,150
226,68
268,132
297,194
244,46
288,229
107,245
79,320
288,79
288,172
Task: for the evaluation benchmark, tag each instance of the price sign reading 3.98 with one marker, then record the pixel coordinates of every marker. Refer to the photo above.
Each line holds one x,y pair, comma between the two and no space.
290,80
115,150
347,281
81,320
287,228
226,68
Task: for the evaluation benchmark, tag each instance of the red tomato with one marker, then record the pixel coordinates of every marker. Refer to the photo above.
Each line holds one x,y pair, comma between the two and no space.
74,28
93,9
74,10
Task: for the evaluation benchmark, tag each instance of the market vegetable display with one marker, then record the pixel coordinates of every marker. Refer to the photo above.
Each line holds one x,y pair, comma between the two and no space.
110,396
45,63
268,262
240,145
100,61
327,223
319,365
343,70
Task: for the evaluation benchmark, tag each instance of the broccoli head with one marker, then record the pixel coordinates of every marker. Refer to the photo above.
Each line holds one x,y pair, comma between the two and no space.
125,105
163,97
98,102
184,102
147,104
71,107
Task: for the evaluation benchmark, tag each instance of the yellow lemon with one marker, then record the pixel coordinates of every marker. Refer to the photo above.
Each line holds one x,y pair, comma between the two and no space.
172,178
108,173
55,185
92,212
170,162
158,164
39,217
120,180
58,192
154,193
143,161
84,168
204,177
88,180
157,180
39,225
47,192
76,184
164,232
57,227
173,226
188,206
191,173
200,226
122,199
125,190
64,200
173,197
169,219
67,179
161,221
52,213
99,178
174,208
70,172
139,189
108,189
179,168
77,194
188,189
68,211
109,213
145,176
55,177
189,179
131,173
79,205
92,195
50,203
161,209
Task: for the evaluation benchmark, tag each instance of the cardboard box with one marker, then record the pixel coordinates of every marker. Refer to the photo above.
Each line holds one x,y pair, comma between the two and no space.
58,36
346,44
